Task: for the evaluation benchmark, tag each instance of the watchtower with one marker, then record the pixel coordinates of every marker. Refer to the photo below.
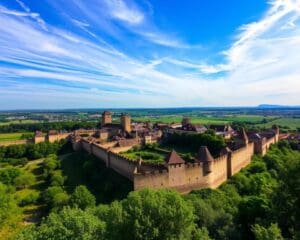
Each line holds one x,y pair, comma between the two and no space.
205,157
185,121
106,117
126,122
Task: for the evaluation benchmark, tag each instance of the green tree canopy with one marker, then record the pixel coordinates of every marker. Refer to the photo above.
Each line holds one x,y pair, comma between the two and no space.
82,198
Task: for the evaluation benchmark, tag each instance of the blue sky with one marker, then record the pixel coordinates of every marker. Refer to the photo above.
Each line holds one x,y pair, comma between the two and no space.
148,53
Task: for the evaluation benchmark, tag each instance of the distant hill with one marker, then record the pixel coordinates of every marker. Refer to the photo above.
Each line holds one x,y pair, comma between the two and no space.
276,106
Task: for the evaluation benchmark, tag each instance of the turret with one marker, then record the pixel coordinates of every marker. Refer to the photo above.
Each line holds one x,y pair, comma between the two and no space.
275,128
185,121
227,152
244,137
205,157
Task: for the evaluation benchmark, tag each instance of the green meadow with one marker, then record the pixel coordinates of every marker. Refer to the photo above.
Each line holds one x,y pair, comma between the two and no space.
208,119
18,122
286,123
5,137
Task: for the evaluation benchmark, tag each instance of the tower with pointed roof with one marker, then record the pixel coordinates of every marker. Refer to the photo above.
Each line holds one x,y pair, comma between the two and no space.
244,137
176,169
206,158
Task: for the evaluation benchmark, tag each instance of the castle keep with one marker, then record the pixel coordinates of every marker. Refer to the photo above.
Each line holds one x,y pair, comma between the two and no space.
205,172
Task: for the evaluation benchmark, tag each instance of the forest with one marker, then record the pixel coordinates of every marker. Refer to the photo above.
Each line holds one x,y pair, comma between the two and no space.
261,202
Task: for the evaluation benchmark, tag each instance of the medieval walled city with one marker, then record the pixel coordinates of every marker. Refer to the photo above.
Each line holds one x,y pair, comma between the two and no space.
114,139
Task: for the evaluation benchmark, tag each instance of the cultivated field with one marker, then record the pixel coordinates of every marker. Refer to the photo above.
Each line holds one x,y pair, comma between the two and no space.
5,137
18,122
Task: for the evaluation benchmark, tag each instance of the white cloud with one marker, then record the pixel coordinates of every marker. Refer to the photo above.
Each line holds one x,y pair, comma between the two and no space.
262,62
121,11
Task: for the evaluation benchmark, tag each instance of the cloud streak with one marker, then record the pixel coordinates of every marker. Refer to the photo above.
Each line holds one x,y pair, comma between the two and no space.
42,65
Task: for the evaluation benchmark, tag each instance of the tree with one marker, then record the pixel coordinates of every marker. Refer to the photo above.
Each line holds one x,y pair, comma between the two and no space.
67,224
57,179
49,196
157,214
201,234
270,233
60,200
82,198
8,205
114,217
49,165
9,174
24,180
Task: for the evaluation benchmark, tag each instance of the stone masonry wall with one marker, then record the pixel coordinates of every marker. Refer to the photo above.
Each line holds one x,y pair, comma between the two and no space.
241,157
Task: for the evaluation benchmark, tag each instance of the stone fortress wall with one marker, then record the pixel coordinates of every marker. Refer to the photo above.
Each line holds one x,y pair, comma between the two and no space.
189,176
183,177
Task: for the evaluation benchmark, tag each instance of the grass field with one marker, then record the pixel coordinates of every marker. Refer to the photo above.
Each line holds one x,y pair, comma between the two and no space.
18,121
147,156
4,137
209,119
177,119
286,123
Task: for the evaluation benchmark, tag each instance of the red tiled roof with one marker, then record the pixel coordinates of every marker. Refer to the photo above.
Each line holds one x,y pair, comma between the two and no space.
174,158
204,155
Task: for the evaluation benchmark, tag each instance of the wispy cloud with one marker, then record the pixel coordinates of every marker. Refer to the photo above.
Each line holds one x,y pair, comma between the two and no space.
79,65
35,16
121,11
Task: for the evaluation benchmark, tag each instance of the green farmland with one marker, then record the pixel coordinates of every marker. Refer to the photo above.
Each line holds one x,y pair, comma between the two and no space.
17,122
285,123
209,119
5,137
